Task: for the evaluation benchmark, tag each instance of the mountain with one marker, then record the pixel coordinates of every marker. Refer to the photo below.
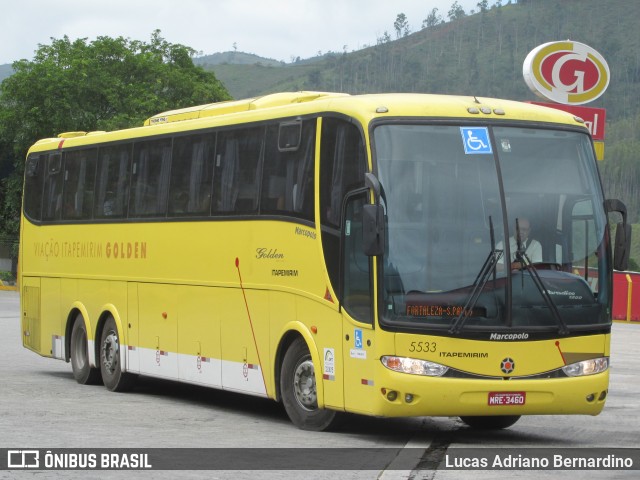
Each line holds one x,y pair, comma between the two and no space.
247,75
482,55
235,58
5,71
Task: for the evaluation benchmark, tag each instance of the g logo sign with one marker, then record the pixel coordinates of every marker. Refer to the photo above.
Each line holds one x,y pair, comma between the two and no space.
566,72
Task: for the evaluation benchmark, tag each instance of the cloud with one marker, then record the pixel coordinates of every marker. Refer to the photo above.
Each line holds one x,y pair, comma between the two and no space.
279,29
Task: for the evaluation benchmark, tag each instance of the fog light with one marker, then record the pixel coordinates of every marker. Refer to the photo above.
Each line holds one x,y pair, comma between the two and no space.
603,395
392,395
591,397
408,398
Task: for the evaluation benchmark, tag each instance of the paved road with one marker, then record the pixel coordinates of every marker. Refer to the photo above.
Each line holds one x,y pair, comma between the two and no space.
41,406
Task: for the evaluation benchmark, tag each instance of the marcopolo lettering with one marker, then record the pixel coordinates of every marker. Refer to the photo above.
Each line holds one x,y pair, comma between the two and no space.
305,233
509,336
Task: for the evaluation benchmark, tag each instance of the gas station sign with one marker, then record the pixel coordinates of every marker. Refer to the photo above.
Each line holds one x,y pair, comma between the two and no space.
570,73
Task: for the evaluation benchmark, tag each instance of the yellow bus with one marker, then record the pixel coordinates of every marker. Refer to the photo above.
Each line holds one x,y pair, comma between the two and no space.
336,253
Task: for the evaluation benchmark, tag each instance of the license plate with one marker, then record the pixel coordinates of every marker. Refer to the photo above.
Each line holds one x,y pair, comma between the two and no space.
507,398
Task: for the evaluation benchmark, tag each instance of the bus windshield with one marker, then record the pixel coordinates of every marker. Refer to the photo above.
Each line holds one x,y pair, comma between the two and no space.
491,227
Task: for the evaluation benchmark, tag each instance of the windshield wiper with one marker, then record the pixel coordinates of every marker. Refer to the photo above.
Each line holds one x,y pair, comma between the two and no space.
525,261
488,269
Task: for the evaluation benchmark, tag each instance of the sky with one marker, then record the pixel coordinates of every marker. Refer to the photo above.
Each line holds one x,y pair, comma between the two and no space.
278,29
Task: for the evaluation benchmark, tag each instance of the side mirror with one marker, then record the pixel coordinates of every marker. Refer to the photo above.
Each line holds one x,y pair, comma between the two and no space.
622,246
373,240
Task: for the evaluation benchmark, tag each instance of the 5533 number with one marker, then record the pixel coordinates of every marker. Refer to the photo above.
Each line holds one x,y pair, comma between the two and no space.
424,346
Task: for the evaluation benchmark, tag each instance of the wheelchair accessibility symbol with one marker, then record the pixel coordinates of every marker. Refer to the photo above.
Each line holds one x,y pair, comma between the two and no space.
357,335
476,140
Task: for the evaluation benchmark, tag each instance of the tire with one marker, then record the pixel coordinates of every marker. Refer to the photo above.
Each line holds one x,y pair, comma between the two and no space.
491,423
79,354
298,390
112,375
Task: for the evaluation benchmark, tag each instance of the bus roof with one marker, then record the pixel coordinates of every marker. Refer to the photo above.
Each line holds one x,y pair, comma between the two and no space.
288,104
223,108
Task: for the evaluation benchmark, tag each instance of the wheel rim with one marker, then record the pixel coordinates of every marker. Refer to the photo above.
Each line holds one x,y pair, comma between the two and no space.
79,349
304,385
110,352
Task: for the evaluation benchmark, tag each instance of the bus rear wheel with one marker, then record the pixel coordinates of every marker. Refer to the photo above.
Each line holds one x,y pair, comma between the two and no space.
110,367
491,422
79,353
298,390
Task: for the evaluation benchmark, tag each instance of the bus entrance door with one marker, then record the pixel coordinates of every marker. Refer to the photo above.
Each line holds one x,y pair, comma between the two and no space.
358,354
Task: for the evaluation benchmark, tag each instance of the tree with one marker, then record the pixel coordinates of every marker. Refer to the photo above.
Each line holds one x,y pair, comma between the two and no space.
401,25
456,12
432,19
105,84
385,38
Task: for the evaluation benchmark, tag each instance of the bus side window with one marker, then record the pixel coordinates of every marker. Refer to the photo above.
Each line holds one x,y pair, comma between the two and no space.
52,201
276,175
34,179
150,178
191,175
302,191
79,176
584,242
237,172
112,184
356,272
342,169
287,184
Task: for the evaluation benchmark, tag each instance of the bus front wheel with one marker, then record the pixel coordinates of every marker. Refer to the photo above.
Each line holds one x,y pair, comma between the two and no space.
82,370
491,422
112,375
298,390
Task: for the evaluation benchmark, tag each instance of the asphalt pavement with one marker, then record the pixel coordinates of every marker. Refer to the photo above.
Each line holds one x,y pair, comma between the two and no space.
43,408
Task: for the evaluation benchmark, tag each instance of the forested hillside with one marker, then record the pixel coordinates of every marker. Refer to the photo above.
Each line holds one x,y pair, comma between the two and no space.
482,54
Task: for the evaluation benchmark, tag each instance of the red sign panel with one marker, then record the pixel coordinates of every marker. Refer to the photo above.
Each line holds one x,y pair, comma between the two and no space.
594,118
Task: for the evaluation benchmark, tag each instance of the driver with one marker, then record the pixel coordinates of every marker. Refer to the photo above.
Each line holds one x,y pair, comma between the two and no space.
530,246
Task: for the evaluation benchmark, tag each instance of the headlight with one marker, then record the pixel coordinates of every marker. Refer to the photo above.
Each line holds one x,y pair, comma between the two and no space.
413,366
588,367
